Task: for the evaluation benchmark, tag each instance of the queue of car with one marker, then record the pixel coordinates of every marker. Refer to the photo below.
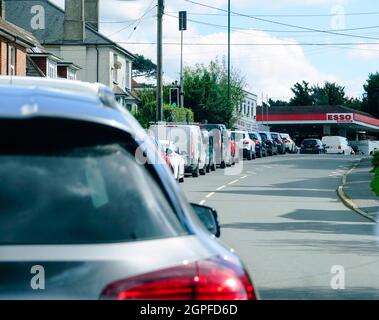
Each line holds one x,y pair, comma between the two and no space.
205,147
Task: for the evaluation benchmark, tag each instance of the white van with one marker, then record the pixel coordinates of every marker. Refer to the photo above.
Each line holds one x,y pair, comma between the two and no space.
188,139
336,144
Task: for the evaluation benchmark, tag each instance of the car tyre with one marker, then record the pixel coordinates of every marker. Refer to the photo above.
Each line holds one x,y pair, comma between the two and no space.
196,172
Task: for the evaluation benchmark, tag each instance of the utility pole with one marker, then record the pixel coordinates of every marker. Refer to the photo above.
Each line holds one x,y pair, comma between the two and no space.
267,111
229,96
160,61
263,105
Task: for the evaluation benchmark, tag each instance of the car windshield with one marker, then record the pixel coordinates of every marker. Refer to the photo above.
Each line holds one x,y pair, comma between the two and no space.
310,143
84,195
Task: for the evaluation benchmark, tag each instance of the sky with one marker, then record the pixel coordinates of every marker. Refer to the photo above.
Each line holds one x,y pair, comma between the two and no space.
270,39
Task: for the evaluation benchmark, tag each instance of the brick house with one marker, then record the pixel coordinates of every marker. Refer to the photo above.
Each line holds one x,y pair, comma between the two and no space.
14,43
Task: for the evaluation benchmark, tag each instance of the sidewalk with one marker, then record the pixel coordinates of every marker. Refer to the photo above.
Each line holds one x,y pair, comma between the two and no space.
357,189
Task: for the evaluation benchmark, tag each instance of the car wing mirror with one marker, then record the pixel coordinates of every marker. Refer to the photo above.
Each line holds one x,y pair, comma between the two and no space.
209,217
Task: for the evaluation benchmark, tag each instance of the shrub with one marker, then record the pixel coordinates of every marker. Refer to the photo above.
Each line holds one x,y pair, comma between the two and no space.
375,159
179,115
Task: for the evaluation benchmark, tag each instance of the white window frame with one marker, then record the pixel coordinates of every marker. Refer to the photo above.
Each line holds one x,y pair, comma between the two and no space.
71,74
51,69
114,69
12,60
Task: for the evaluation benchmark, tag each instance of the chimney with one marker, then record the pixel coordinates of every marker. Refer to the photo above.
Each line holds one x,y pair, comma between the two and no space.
91,13
2,9
74,26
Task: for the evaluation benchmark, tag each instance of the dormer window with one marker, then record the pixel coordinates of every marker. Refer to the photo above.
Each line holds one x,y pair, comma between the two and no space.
52,69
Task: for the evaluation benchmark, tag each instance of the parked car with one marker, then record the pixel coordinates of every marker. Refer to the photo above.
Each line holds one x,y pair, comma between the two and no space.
208,149
96,219
279,141
336,144
260,148
290,144
314,146
245,144
220,143
235,148
188,139
232,144
176,160
269,142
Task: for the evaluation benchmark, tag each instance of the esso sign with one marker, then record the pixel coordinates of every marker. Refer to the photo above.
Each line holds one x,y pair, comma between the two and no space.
340,117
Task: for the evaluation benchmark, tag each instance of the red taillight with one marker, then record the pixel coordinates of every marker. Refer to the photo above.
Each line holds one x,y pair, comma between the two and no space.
211,279
246,142
287,141
257,142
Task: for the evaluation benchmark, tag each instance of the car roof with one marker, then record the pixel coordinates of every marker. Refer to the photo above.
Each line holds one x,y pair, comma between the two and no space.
98,90
32,102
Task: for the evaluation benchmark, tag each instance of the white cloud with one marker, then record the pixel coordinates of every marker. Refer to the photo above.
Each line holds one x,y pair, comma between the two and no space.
365,51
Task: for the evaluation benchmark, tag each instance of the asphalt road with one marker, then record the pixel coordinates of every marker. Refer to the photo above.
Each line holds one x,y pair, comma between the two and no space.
283,217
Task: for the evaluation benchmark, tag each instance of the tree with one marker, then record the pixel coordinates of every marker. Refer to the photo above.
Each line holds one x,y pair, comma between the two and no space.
303,95
354,103
144,67
371,99
206,88
148,108
276,103
330,94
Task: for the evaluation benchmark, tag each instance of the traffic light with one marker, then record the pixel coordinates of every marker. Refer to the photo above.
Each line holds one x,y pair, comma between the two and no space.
174,97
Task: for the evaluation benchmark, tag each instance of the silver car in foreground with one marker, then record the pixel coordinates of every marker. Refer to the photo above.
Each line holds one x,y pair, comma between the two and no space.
88,209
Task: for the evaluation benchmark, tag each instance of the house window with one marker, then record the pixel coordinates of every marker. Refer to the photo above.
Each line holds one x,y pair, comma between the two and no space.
115,68
12,61
71,74
52,71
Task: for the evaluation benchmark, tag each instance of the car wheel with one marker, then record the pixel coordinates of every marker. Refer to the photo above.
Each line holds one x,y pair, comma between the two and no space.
196,172
203,171
181,180
223,165
249,156
208,168
213,167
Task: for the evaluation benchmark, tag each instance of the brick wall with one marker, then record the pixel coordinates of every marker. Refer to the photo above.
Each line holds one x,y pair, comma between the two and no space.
3,58
21,62
20,59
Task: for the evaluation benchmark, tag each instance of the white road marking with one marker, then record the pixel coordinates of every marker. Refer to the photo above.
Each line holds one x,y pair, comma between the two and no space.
244,177
202,202
233,182
220,188
210,195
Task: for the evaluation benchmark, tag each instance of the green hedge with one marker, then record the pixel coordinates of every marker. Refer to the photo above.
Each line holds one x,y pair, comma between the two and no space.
175,114
375,159
375,182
